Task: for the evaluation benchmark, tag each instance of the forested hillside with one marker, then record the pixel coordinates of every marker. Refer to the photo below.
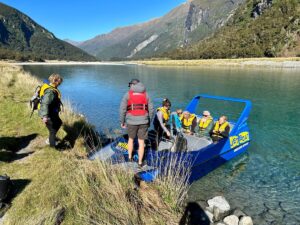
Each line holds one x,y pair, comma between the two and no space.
23,39
259,28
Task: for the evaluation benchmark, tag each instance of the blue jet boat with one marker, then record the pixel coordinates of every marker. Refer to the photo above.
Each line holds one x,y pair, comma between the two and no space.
199,155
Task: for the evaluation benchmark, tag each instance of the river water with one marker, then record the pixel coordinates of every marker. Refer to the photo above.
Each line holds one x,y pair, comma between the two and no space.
264,182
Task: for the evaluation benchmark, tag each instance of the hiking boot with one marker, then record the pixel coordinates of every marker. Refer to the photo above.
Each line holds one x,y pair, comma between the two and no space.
142,165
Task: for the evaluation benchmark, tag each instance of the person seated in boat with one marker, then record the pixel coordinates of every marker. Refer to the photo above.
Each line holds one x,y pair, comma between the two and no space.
176,120
161,119
221,129
205,124
188,122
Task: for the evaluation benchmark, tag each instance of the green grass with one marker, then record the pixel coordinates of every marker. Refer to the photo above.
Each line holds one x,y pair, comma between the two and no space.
53,187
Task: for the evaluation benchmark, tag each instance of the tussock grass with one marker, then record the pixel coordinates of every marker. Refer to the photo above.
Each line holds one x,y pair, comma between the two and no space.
54,187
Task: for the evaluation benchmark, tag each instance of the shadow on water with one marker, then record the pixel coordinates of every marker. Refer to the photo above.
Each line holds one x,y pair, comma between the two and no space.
194,215
10,147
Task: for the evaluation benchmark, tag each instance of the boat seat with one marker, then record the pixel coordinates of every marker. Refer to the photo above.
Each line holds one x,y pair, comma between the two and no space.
165,145
195,143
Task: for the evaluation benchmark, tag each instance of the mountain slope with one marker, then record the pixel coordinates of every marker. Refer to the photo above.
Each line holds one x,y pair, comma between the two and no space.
258,28
21,38
186,24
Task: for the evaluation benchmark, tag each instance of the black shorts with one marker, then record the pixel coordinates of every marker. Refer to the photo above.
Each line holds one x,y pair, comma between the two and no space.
141,131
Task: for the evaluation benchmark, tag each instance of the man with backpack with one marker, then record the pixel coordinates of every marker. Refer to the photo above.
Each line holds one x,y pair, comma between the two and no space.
136,111
50,105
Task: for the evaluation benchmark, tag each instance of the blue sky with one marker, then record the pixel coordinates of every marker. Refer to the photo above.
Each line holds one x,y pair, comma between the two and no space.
81,20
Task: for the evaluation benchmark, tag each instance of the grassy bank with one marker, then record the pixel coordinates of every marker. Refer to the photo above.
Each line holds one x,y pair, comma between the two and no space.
293,62
63,187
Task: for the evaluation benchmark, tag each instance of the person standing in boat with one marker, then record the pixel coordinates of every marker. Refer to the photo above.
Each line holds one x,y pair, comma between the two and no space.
136,111
189,122
221,129
50,106
161,119
205,124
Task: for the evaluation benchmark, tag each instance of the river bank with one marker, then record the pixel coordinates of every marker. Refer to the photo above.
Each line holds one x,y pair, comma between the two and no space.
64,187
247,62
291,63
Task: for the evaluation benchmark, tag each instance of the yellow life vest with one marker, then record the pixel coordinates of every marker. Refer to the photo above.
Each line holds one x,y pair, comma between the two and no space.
186,123
165,112
204,124
43,88
220,128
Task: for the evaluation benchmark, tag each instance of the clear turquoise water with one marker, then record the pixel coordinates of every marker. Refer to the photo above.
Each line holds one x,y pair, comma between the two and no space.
265,182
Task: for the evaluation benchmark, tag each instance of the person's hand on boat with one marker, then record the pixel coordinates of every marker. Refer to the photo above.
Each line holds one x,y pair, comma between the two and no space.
123,125
168,133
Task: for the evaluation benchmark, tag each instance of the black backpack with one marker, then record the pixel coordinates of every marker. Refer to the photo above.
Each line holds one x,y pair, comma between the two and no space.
35,100
5,186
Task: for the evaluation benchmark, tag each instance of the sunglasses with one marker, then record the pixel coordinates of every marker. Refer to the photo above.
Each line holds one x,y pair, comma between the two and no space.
205,115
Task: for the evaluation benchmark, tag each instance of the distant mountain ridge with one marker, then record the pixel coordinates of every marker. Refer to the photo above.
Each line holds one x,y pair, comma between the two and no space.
75,43
184,25
22,39
259,28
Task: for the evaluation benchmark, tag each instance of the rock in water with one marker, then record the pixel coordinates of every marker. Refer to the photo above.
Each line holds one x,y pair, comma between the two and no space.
209,215
239,213
231,220
219,207
246,220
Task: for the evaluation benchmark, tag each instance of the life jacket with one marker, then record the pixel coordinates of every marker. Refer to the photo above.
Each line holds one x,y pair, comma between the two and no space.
35,101
220,128
137,104
187,123
166,114
204,124
43,88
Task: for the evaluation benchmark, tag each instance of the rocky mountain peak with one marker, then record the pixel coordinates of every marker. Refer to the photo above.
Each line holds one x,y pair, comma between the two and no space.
260,6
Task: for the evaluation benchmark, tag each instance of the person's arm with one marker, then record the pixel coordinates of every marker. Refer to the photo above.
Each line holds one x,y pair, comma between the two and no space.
123,108
160,119
46,102
194,124
150,109
209,128
225,133
211,132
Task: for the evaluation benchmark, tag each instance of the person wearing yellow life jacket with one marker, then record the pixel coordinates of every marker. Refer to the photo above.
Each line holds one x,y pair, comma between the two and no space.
50,105
205,124
188,122
161,120
221,129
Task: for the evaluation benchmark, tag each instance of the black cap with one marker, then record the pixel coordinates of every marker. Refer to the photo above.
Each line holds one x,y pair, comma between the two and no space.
166,102
133,81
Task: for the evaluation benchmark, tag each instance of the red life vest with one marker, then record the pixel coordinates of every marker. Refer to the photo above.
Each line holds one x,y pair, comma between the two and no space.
137,104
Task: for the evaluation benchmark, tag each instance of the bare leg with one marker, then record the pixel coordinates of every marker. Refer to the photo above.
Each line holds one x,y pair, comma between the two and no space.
130,148
141,150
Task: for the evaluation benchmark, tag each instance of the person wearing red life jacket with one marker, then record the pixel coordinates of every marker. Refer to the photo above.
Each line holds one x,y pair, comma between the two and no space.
136,112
